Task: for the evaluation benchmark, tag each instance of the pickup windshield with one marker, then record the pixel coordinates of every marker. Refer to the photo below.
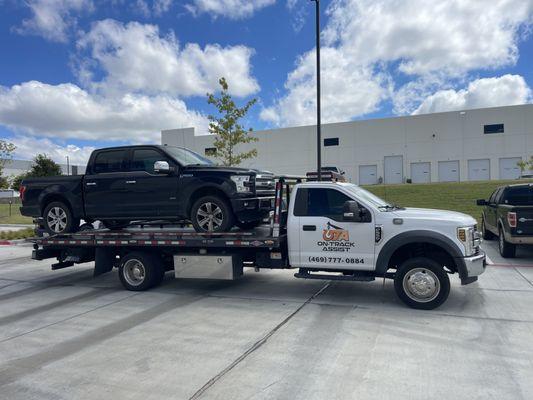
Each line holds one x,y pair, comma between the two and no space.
187,157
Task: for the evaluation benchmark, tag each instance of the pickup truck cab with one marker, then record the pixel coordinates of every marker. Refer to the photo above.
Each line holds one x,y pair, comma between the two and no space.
508,215
147,183
329,231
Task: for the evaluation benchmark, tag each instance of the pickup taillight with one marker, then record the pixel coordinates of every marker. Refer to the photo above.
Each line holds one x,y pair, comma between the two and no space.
511,219
22,190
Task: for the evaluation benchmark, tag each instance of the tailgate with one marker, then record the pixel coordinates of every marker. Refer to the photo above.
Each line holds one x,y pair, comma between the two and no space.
524,220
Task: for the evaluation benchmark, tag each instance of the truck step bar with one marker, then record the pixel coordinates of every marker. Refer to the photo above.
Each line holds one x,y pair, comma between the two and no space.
356,276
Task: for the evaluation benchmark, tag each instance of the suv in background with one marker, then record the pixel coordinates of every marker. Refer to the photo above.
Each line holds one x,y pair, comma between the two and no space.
508,215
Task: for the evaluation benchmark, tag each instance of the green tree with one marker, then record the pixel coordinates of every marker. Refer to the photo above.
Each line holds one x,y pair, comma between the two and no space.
522,165
229,132
6,154
42,165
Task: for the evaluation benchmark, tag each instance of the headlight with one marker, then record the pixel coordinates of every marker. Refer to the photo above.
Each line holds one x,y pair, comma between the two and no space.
467,235
241,182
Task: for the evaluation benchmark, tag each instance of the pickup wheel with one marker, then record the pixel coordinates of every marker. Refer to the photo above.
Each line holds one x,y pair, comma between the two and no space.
58,219
140,271
422,283
212,214
507,250
487,235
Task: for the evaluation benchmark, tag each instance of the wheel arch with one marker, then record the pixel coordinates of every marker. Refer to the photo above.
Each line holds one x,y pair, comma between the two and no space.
420,243
210,190
50,198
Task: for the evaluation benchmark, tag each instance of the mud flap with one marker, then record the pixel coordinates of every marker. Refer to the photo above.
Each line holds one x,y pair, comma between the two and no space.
103,261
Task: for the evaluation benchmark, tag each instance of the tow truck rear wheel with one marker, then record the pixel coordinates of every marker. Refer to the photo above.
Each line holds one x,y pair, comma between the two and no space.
422,283
140,271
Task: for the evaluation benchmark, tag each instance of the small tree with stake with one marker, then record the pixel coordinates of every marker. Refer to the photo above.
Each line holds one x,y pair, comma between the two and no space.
6,151
41,166
229,133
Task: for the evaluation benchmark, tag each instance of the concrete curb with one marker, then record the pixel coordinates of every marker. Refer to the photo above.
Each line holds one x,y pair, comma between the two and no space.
16,242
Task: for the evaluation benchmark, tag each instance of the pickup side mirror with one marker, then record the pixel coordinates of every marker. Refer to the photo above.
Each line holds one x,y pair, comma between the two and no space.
482,202
351,211
161,167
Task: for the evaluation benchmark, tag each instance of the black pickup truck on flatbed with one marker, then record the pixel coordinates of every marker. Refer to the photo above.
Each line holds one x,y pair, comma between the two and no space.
508,215
149,183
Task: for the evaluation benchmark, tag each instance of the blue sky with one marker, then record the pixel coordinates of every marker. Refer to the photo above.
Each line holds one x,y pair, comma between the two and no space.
80,74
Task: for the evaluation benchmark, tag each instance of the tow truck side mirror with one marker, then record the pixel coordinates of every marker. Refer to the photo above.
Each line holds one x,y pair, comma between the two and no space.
482,202
351,211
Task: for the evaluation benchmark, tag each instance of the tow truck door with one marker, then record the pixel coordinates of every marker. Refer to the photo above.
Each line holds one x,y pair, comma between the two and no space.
325,240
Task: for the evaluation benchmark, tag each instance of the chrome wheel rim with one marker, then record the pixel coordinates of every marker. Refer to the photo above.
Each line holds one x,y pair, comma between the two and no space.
57,219
134,272
421,285
209,216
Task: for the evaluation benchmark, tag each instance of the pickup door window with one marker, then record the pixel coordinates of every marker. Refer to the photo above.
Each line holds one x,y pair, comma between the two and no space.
326,240
104,184
148,194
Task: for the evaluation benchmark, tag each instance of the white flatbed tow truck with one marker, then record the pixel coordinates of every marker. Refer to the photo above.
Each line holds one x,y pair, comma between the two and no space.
325,230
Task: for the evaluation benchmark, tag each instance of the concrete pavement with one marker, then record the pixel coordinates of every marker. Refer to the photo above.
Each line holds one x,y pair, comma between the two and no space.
66,335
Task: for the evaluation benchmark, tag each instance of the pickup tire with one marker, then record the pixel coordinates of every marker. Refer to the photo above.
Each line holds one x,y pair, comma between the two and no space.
422,283
59,219
487,235
140,271
507,250
212,214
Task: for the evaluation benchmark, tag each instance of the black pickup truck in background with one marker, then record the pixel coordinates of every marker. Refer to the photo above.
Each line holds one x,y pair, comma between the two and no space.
508,214
148,183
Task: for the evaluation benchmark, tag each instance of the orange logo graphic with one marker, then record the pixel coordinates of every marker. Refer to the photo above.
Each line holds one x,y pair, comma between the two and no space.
335,233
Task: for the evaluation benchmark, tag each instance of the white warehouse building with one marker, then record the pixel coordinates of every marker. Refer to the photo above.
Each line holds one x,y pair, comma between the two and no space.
468,145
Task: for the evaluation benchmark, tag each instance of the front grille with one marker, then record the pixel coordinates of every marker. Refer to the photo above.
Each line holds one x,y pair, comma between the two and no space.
264,185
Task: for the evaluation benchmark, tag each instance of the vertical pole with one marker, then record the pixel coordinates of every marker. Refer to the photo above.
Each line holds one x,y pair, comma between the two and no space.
68,167
318,122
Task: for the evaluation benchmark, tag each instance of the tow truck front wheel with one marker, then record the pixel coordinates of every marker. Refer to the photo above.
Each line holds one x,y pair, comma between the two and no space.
140,271
422,283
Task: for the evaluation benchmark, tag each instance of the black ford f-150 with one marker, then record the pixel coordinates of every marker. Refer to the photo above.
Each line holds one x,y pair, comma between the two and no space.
508,214
150,182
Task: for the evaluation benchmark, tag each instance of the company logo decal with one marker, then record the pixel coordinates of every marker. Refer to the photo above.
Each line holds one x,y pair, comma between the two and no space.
335,238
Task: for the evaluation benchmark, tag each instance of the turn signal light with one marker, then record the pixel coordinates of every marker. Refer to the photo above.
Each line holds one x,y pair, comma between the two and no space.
511,219
22,190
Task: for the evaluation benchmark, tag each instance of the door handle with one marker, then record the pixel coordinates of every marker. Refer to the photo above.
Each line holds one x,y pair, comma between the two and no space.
131,182
309,227
91,184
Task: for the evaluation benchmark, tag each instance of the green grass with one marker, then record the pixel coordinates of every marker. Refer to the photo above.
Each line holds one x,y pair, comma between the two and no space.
15,217
446,196
12,235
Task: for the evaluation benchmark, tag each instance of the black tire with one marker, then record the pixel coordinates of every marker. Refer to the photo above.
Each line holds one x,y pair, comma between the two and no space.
433,283
140,271
507,250
248,225
58,219
113,224
222,215
487,235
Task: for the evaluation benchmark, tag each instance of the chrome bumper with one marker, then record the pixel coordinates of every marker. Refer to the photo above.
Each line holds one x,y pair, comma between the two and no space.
475,265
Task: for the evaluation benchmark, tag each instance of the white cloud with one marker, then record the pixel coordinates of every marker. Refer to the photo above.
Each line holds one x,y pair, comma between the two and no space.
370,41
233,9
486,92
162,6
348,90
158,7
135,57
53,19
67,111
29,146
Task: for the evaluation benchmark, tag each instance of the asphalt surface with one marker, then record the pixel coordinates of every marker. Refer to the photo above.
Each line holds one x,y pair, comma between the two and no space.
65,335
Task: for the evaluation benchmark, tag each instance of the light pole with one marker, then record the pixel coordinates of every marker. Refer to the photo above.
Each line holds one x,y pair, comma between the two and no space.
318,123
68,166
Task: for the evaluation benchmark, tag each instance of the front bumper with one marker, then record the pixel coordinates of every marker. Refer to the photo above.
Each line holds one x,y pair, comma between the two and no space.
473,267
252,208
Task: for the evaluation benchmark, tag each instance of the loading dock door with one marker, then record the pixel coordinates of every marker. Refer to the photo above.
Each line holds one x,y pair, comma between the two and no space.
394,169
368,174
448,171
479,170
421,172
509,168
